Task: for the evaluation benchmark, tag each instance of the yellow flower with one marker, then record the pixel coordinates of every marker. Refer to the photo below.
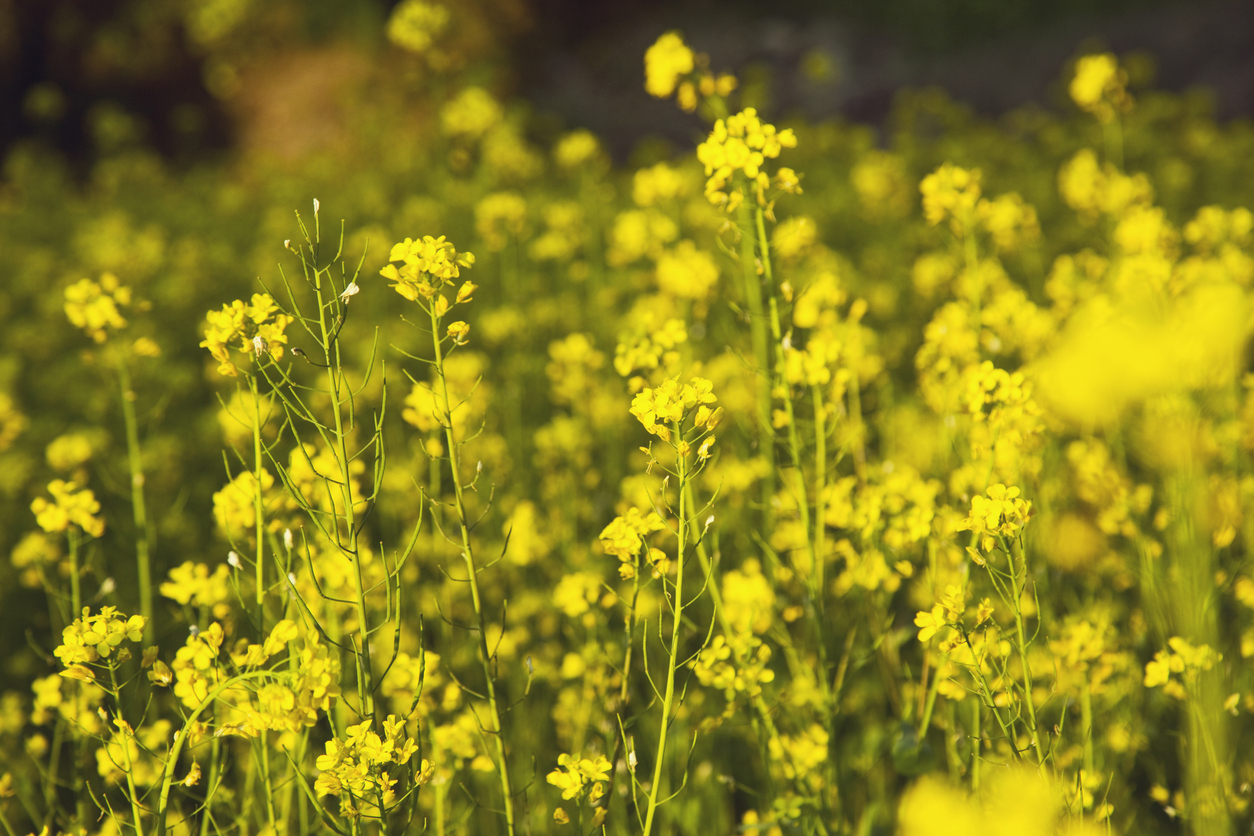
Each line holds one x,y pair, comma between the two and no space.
472,113
740,145
665,63
951,192
70,506
687,272
255,328
427,265
576,148
414,25
192,583
1098,86
669,403
1001,513
94,306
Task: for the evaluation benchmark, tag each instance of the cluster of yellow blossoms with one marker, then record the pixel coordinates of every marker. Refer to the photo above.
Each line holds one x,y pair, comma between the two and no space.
93,306
93,637
1000,514
427,267
1179,666
69,506
670,66
254,327
741,144
574,775
360,766
672,402
626,536
1098,87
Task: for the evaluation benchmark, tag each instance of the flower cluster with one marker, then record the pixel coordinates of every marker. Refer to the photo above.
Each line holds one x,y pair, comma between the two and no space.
360,767
1000,514
255,327
93,637
672,402
1099,87
575,775
1179,666
193,583
415,25
427,266
93,306
741,144
625,537
70,506
738,664
665,63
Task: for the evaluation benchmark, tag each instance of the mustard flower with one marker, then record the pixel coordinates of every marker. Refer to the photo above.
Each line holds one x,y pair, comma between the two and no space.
70,506
93,306
192,583
472,113
576,148
255,327
500,216
951,193
1000,513
670,403
1099,87
415,25
427,266
574,775
686,272
665,62
740,145
93,637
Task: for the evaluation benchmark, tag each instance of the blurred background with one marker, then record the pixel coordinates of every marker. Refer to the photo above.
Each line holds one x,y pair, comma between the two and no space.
193,79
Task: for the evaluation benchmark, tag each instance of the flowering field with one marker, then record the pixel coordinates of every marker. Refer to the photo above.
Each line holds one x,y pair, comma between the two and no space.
803,480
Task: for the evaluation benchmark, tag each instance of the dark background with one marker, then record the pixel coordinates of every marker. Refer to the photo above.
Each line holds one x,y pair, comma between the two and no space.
64,63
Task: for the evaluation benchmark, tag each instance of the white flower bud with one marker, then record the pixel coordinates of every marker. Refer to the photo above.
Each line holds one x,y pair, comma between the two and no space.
287,539
349,292
315,205
234,560
194,631
107,587
260,346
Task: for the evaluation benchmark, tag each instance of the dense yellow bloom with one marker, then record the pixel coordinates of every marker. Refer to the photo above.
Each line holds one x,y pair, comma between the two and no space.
69,506
736,664
576,148
1091,189
687,272
235,508
12,422
94,306
499,217
415,25
1000,513
255,328
748,600
1098,86
951,193
93,637
427,266
800,755
66,452
670,403
574,775
665,62
1178,667
740,144
362,766
626,536
1017,802
658,184
472,113
637,233
192,583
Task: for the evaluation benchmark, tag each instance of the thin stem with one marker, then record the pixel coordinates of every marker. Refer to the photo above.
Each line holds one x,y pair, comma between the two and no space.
472,572
757,326
676,621
258,510
136,465
1029,700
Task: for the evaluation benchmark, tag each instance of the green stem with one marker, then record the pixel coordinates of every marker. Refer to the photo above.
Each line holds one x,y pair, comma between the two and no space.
757,325
258,510
136,464
331,348
126,736
472,572
668,699
1028,699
